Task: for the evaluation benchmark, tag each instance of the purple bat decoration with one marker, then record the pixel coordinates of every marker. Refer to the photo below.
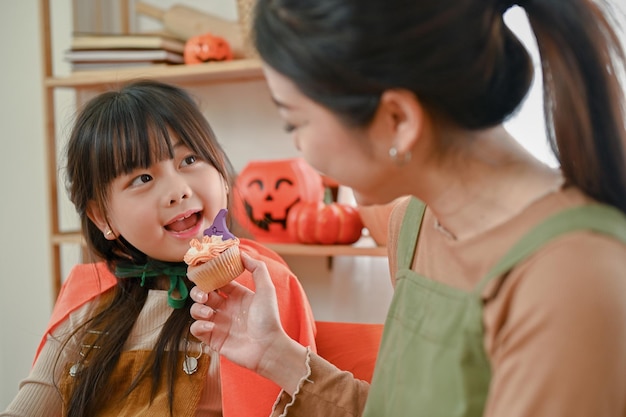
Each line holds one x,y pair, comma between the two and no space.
219,226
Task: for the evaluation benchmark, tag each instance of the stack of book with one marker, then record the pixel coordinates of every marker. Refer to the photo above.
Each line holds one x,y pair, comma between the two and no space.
107,51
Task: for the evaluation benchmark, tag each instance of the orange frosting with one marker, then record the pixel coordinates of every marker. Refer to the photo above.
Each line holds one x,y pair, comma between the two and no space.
207,249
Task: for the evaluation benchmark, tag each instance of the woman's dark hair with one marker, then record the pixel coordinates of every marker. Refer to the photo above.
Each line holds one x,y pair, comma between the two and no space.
465,66
115,133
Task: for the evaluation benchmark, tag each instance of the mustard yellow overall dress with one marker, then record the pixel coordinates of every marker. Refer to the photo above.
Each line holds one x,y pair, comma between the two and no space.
432,361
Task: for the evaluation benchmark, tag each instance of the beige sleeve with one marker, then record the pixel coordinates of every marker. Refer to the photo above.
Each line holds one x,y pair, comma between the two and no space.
556,333
325,391
38,395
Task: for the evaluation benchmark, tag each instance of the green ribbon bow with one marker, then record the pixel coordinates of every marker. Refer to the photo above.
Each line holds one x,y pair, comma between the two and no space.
175,272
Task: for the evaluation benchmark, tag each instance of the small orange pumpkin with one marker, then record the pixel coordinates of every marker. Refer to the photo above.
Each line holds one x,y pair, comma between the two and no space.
324,222
205,48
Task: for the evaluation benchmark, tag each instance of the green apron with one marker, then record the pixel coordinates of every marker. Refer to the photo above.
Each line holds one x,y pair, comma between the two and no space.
432,361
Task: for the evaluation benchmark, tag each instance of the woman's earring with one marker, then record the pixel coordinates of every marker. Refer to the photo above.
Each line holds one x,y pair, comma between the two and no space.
108,233
397,157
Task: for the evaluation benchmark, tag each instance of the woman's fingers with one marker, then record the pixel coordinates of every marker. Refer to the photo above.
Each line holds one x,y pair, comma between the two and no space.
198,295
202,330
201,312
214,298
237,322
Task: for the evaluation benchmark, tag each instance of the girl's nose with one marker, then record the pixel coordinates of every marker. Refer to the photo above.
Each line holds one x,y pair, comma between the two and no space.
179,190
176,200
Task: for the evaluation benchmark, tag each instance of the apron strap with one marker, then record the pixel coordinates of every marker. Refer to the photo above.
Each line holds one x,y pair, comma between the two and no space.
599,218
409,231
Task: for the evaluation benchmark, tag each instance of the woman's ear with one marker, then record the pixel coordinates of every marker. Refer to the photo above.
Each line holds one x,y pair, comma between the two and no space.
406,116
99,219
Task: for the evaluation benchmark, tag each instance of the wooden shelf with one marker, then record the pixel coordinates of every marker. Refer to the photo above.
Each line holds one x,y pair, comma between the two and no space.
65,238
364,247
227,71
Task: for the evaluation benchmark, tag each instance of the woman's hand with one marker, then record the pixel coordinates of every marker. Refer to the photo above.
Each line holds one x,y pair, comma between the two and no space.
245,327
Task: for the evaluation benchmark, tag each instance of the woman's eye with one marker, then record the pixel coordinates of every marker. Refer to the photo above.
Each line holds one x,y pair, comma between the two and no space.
142,179
289,127
189,160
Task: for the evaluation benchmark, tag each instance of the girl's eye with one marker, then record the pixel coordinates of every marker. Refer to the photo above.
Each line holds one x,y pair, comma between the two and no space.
289,127
189,160
142,179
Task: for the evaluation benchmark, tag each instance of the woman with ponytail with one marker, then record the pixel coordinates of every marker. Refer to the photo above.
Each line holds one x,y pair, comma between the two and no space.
509,275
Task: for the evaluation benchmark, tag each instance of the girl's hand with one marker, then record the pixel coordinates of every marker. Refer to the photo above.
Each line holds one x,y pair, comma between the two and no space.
245,327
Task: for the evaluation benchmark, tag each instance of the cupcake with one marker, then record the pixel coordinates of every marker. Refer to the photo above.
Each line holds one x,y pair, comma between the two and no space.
214,260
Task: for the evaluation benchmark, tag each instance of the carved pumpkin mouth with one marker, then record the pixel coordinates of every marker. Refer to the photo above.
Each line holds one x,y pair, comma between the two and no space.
267,219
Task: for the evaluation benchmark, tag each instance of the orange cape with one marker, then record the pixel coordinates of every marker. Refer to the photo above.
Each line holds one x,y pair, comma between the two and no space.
244,393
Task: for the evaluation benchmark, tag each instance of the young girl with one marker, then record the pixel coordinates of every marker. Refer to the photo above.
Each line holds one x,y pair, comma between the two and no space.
146,175
509,276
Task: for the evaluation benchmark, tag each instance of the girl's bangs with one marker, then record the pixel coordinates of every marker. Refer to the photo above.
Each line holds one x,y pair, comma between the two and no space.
135,143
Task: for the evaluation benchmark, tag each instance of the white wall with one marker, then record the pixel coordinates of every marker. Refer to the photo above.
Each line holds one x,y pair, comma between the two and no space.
356,289
529,122
25,298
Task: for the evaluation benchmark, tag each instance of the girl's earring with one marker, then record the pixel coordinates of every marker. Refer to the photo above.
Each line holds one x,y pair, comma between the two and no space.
108,233
397,157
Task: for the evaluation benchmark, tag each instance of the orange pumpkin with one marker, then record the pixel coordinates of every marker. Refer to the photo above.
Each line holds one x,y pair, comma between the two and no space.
205,48
266,191
325,223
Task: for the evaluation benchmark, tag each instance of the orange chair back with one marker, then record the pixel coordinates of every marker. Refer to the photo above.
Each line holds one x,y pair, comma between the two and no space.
350,347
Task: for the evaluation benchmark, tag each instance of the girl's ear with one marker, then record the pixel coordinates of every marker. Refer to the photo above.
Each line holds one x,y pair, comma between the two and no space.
406,116
99,219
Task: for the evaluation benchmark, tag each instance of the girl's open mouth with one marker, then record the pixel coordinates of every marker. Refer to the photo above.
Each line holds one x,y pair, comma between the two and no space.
184,224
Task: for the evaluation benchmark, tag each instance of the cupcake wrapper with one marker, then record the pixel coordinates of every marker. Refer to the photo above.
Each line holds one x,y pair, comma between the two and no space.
218,271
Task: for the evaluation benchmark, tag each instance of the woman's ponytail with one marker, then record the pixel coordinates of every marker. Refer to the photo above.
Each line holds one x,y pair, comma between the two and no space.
582,60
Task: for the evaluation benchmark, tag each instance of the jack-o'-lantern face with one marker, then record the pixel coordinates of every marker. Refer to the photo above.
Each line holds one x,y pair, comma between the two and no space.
272,199
205,48
265,191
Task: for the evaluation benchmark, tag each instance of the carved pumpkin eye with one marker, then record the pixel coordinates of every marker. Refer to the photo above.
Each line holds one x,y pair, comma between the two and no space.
257,183
265,191
283,181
